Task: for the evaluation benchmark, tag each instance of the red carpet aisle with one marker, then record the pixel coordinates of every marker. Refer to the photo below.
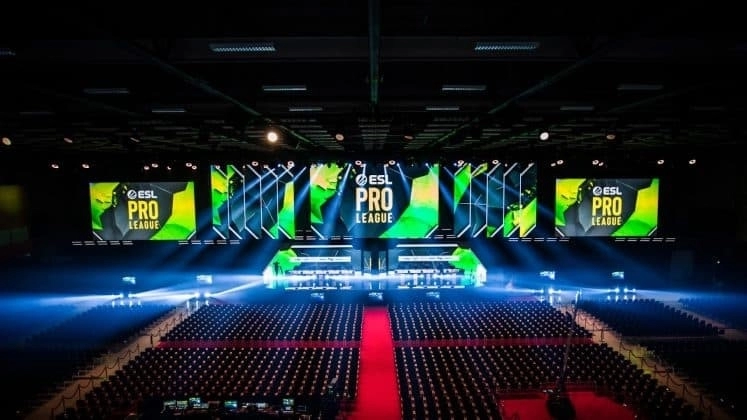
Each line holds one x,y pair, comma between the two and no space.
588,407
378,395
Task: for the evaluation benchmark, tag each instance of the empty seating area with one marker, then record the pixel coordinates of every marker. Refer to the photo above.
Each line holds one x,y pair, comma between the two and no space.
100,327
729,310
709,363
326,322
49,358
647,317
438,383
29,319
220,374
478,320
461,382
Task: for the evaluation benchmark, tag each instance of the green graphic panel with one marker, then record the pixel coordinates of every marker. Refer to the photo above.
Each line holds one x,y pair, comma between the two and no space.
524,219
287,214
566,195
285,260
473,268
616,207
102,195
645,217
143,210
420,217
181,224
324,180
253,201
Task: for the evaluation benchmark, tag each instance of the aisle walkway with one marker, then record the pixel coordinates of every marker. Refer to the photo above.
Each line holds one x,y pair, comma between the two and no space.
108,365
378,396
587,405
603,333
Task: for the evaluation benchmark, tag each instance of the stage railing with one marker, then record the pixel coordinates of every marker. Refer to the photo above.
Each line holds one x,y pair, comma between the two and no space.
103,375
119,361
665,372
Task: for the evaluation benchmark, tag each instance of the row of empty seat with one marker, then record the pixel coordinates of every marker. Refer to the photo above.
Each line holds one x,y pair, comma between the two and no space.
303,321
726,309
479,320
467,382
647,317
708,363
222,374
47,359
29,319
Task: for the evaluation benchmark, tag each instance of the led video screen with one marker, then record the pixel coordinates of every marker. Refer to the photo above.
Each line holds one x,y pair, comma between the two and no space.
254,201
373,201
143,210
494,199
606,207
438,261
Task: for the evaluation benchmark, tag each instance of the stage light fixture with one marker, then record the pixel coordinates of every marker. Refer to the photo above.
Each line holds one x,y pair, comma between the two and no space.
544,136
339,137
6,141
272,136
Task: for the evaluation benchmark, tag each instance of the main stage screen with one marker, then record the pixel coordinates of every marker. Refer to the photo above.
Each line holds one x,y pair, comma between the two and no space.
373,201
494,199
606,207
142,210
253,201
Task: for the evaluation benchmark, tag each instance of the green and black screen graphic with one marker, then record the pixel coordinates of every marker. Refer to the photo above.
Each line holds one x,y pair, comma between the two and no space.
495,199
606,207
142,210
253,201
374,201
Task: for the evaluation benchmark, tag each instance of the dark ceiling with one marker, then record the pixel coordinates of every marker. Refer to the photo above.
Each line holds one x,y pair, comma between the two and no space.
660,78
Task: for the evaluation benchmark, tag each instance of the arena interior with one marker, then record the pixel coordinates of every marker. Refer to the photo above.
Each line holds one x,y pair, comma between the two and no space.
365,210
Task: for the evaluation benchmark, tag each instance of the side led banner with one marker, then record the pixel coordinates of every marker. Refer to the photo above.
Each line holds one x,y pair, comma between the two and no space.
373,201
143,210
495,199
606,207
253,201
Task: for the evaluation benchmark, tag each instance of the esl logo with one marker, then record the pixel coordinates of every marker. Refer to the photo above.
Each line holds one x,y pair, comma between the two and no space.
363,180
597,191
141,195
